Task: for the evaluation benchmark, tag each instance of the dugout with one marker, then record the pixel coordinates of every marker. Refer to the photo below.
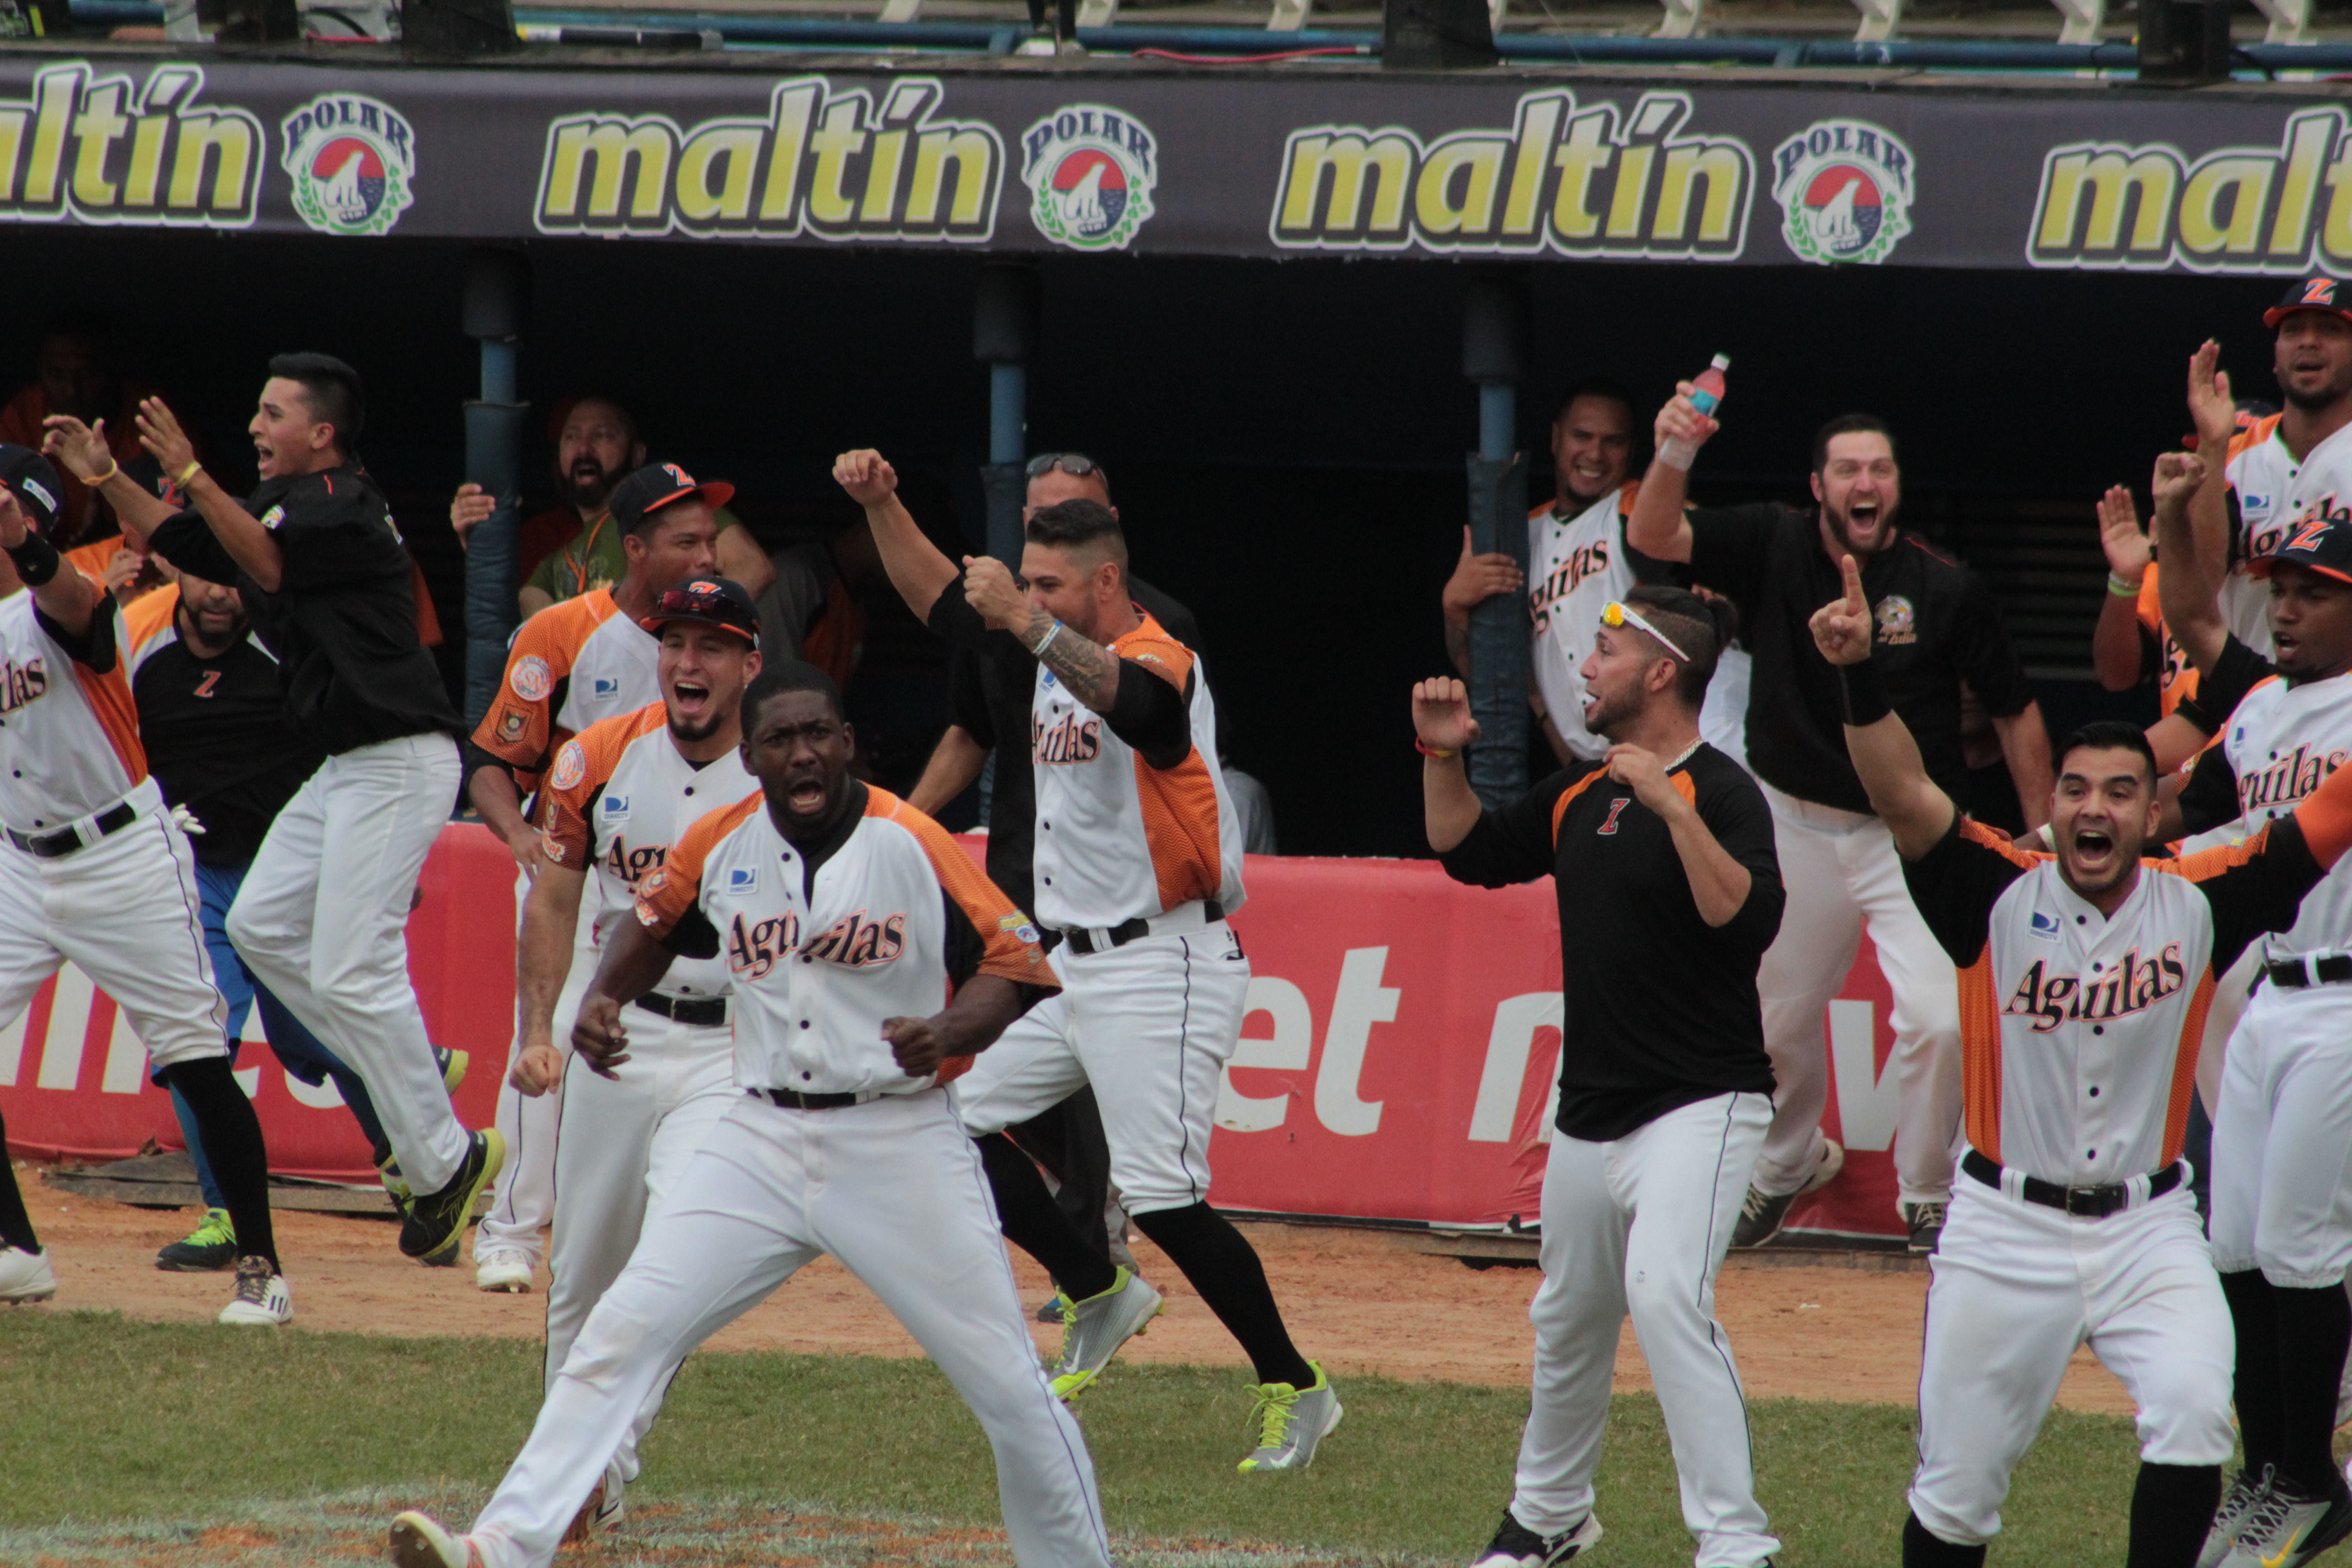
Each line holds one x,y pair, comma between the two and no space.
1264,342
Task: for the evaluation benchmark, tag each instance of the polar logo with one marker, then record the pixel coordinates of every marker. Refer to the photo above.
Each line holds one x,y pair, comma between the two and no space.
1844,188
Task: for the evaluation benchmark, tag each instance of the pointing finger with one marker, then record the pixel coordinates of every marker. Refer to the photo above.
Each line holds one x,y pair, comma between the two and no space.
1853,574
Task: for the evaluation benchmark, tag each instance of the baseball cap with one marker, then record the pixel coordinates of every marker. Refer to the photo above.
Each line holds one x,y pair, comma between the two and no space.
657,485
2323,545
2311,294
708,601
33,479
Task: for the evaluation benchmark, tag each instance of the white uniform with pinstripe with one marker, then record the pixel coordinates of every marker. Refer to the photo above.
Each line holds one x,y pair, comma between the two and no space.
122,906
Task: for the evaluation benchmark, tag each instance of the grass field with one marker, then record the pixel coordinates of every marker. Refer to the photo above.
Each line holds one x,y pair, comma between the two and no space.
126,1443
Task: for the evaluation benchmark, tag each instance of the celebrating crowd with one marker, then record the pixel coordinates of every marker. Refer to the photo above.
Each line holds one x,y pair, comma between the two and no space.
228,756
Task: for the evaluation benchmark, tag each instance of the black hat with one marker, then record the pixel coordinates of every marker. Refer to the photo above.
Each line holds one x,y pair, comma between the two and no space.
2311,294
2321,545
38,492
708,601
657,485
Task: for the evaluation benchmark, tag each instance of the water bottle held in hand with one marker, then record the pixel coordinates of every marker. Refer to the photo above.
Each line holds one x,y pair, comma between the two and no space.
1707,396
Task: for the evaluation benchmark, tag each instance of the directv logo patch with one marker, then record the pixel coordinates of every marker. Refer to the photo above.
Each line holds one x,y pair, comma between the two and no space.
2045,926
743,878
607,686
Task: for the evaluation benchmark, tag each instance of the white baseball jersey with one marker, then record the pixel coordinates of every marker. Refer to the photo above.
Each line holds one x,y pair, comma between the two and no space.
1576,564
572,665
68,730
617,798
2283,742
2079,1031
882,921
2271,489
1117,838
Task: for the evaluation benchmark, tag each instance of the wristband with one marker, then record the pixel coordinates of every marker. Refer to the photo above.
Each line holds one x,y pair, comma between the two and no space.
2121,589
1426,749
1865,694
188,473
112,468
1046,642
36,560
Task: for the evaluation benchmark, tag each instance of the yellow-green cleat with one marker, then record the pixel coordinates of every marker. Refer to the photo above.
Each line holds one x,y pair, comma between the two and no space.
1094,1329
1290,1422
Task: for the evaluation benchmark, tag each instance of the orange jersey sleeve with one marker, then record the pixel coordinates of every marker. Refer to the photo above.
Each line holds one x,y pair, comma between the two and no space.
1008,936
520,728
583,766
669,889
1150,647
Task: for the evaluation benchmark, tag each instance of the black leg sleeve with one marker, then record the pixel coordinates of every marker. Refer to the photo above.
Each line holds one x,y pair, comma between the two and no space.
1026,1213
2314,1327
15,1225
232,1136
1922,1548
1219,1262
2253,1315
2171,1511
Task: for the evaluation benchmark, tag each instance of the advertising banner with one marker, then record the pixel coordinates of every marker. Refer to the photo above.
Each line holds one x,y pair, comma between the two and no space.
1540,166
1399,1061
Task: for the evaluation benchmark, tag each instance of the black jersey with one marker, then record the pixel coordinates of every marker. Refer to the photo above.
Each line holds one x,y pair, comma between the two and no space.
1661,1007
218,740
1938,626
343,619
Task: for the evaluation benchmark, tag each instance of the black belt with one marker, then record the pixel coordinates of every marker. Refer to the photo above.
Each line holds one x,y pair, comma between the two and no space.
793,1099
2294,974
1082,942
707,1012
66,840
2086,1203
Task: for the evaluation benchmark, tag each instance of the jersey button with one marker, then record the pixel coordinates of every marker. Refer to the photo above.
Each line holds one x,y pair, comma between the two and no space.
2096,967
2095,1092
689,789
804,1023
804,1078
2098,1028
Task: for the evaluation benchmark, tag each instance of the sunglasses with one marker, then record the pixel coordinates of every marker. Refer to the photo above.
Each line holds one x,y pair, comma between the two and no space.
1077,464
1615,616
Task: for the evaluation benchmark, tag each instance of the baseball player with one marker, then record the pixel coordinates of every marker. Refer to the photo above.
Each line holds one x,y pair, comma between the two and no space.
1663,846
1137,857
2085,977
578,661
1939,628
2282,1198
844,916
621,791
92,869
323,913
213,726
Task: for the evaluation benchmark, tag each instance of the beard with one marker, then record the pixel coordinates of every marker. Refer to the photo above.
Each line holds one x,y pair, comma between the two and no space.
691,734
1608,713
1836,519
2324,398
587,485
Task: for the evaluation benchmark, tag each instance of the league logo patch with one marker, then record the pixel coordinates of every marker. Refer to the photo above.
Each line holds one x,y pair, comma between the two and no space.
273,516
744,879
1018,924
1897,621
570,766
353,160
38,491
1844,190
511,722
531,679
1089,171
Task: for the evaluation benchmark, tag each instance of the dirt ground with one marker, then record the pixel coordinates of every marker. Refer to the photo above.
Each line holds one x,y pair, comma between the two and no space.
1359,1300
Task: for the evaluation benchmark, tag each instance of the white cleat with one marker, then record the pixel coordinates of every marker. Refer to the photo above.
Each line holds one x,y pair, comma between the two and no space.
419,1540
26,1276
262,1298
504,1270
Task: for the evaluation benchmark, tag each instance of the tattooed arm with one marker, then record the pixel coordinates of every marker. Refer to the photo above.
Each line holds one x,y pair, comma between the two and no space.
1089,670
1143,697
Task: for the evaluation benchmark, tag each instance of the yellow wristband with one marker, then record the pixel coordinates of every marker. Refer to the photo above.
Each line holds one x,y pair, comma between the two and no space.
188,473
112,468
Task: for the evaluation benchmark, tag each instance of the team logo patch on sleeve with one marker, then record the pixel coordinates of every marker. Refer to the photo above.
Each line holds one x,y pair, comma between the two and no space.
570,766
531,679
1018,925
273,516
512,722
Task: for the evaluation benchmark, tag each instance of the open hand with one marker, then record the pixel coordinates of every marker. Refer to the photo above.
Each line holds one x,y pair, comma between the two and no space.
1441,714
990,587
916,1045
600,1037
1681,420
80,447
160,433
2127,547
869,478
1478,578
537,1068
2211,407
1841,628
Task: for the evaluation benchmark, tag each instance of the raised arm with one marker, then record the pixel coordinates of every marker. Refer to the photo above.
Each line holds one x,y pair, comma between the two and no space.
83,449
917,568
1657,527
551,921
2118,650
2213,414
64,596
1441,720
1086,669
1885,756
2192,599
253,547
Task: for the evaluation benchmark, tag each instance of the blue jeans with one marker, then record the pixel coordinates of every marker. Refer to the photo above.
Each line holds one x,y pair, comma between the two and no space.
298,1050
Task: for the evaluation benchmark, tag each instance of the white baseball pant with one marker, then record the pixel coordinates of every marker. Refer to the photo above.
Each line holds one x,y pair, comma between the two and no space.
2281,1163
2016,1288
894,1189
522,1203
125,910
323,920
1840,872
620,1150
1638,1225
1150,1024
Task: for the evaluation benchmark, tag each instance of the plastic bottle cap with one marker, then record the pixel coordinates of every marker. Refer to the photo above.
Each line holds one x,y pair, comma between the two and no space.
1721,362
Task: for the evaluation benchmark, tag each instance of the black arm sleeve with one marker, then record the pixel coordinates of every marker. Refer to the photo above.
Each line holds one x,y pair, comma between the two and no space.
2238,671
2259,888
1735,813
694,936
1730,547
968,697
953,619
967,948
95,648
1515,844
2211,796
186,541
1954,886
478,759
1149,713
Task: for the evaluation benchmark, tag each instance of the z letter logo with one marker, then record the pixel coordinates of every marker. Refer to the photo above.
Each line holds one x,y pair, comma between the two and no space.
1616,808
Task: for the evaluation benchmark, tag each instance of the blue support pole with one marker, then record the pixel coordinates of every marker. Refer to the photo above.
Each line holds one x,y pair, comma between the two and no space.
497,284
1008,412
1494,353
1003,335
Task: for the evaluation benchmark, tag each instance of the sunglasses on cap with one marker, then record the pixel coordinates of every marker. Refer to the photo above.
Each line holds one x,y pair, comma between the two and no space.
706,602
1615,616
1077,464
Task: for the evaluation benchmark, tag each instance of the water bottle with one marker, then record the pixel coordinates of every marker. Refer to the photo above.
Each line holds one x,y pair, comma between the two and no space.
1707,396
